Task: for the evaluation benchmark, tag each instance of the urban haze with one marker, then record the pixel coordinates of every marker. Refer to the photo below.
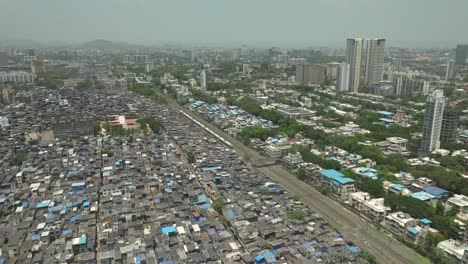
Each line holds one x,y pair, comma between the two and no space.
233,132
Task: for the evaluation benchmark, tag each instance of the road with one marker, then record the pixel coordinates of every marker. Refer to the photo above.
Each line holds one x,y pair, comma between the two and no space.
353,227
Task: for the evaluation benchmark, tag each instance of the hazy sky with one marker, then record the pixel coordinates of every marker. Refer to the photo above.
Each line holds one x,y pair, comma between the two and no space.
251,22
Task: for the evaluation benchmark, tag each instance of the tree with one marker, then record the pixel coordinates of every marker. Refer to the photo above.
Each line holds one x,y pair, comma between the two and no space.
439,208
445,179
154,123
350,174
191,157
416,208
19,158
373,187
301,174
218,206
371,258
297,215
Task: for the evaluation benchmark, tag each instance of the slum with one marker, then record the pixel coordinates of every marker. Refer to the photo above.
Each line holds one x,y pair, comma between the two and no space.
179,196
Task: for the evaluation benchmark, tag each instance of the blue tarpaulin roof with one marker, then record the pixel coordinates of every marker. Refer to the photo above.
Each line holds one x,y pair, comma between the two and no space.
425,221
168,230
412,230
436,191
353,249
423,196
397,187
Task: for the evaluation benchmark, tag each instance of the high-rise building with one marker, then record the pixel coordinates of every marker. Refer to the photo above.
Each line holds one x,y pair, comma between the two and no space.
17,77
397,65
450,74
332,69
461,54
342,77
149,66
449,131
31,52
375,53
3,59
354,59
433,122
245,70
136,58
310,73
203,79
38,66
405,86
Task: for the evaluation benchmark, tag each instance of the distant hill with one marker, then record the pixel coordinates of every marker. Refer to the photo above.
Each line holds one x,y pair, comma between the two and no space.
18,43
107,44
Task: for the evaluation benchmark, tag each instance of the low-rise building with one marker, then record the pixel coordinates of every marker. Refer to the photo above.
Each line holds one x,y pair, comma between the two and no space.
398,222
337,183
375,209
295,112
293,160
459,203
357,199
278,149
454,249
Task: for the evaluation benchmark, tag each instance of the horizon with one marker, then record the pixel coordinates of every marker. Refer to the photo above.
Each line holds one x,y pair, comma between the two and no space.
261,23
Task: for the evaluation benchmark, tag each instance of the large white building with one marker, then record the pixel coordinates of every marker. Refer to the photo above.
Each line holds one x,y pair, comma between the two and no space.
203,79
375,52
4,122
406,86
342,77
354,59
17,77
433,122
245,70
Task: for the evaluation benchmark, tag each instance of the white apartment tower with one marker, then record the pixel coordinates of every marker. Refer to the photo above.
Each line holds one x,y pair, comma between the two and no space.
433,122
203,79
342,77
354,59
375,53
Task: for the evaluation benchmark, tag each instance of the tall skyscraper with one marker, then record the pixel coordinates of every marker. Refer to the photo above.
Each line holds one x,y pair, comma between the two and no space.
38,66
203,79
450,74
245,70
3,59
433,122
342,77
405,86
310,73
461,54
354,59
397,65
449,131
375,53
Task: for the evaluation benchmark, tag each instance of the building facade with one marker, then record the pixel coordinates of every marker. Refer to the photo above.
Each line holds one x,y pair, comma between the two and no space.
342,77
405,86
310,73
449,132
354,59
433,122
3,59
17,77
375,53
203,79
450,73
461,54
